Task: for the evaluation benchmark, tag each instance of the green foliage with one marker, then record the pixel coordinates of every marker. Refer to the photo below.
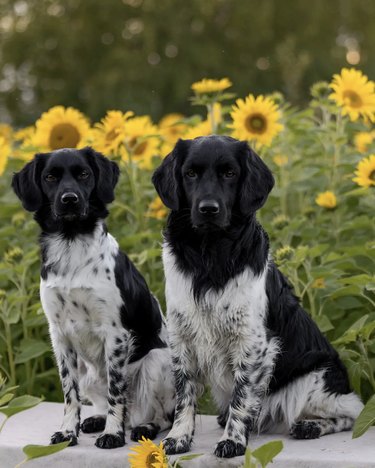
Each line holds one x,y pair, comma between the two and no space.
18,404
327,254
365,419
38,451
263,455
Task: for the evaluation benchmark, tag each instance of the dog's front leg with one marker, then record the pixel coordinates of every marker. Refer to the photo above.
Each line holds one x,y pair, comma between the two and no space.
66,358
116,352
180,437
252,369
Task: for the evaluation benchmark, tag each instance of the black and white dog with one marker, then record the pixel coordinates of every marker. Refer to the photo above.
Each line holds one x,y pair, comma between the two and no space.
107,330
232,316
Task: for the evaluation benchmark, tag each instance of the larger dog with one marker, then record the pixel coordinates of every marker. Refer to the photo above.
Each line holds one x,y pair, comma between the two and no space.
232,316
107,331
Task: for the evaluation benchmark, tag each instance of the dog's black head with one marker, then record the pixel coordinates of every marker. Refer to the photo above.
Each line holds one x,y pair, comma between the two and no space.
215,178
67,186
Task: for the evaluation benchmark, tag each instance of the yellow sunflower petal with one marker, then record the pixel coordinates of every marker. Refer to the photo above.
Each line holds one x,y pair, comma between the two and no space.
110,132
326,200
141,141
60,127
171,128
148,455
365,173
156,209
354,93
256,119
363,140
211,86
4,154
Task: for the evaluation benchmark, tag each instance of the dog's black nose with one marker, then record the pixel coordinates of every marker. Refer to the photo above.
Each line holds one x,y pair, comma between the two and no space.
208,207
69,197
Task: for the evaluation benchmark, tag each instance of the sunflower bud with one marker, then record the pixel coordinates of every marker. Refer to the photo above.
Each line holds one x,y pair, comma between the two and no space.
280,221
284,253
320,90
277,97
13,255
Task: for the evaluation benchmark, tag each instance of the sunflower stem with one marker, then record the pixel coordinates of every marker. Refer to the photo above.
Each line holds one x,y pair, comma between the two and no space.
211,116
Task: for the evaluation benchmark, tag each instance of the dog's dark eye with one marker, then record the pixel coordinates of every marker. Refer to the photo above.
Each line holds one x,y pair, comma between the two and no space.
83,175
50,178
191,173
229,174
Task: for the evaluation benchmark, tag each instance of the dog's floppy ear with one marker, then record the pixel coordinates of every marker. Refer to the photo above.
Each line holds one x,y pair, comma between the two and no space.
106,174
166,177
258,180
26,183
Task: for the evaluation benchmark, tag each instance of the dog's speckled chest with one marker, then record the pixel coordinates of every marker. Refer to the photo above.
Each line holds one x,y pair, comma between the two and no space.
79,294
217,325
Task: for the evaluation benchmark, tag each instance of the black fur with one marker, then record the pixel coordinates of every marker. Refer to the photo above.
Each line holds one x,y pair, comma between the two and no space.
68,191
214,248
214,185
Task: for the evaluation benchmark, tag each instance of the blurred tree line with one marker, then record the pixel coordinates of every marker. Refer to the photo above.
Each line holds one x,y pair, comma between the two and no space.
143,55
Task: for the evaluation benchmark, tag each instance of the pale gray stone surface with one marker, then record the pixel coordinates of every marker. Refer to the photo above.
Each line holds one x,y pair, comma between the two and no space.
36,425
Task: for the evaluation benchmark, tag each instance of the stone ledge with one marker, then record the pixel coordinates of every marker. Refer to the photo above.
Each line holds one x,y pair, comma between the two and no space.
36,425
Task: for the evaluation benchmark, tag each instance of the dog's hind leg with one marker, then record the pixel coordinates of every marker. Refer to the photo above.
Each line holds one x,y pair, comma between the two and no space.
330,412
308,410
151,391
314,428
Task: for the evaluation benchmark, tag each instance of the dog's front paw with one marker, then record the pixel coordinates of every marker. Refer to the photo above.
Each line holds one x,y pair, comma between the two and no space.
64,436
149,431
93,424
305,429
110,441
177,445
228,449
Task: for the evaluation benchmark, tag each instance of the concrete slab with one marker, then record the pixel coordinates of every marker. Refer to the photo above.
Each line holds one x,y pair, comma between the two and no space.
36,425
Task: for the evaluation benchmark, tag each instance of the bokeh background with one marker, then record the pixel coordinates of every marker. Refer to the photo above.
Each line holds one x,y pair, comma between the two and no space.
144,54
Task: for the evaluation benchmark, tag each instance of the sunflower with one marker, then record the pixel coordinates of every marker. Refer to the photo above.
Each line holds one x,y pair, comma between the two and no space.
207,86
4,154
141,140
366,172
326,200
110,132
24,134
6,132
201,129
355,93
171,127
148,455
60,127
156,209
256,119
363,140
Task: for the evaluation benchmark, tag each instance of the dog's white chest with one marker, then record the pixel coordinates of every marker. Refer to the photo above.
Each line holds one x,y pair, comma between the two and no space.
221,322
79,296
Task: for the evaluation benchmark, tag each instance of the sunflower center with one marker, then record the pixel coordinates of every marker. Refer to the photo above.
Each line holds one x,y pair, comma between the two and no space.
256,123
151,459
112,134
372,175
137,148
352,98
64,135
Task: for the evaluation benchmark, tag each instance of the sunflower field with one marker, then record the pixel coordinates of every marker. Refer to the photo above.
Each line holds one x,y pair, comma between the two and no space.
320,215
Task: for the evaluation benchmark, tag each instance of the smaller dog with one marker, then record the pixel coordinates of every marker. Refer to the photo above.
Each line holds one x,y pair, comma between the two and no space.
232,316
107,330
